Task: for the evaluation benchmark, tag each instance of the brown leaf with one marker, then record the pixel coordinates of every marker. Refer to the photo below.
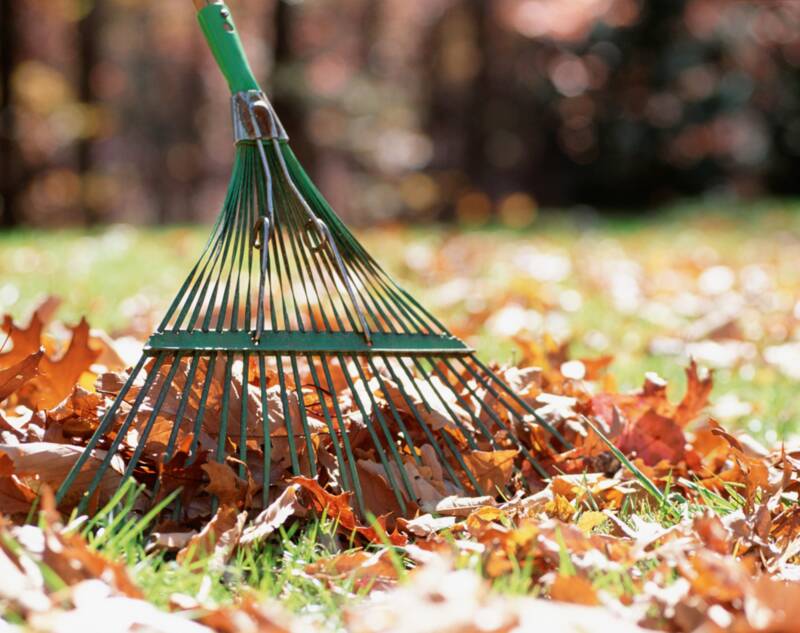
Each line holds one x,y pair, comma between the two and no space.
368,570
16,497
695,400
491,469
57,378
13,377
225,485
217,540
337,507
655,438
38,463
23,342
274,516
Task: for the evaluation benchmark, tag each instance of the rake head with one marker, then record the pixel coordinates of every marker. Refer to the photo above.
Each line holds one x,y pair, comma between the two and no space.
289,351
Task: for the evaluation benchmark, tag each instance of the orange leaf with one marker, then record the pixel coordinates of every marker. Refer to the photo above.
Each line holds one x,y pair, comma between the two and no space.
12,378
491,469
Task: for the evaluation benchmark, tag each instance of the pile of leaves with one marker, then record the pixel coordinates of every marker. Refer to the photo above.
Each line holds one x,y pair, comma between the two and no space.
654,517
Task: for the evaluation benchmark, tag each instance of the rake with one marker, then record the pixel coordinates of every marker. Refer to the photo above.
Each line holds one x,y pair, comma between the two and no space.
287,340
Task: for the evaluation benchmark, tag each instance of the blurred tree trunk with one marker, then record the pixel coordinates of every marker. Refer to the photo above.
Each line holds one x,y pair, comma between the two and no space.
9,160
288,103
88,42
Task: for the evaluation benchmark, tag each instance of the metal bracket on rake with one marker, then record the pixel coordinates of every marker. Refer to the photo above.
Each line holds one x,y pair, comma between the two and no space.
262,117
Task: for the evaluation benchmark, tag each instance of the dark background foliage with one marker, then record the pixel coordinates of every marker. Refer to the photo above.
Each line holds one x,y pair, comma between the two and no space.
112,110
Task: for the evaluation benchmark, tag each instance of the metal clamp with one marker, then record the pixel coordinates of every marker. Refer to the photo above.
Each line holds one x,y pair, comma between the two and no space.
254,118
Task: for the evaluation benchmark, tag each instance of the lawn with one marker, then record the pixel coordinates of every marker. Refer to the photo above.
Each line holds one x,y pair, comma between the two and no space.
717,284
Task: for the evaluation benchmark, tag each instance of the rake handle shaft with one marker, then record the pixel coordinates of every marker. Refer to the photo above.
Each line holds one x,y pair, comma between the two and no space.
223,40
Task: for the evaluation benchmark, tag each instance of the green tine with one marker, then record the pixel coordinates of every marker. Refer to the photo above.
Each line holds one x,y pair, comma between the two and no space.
292,240
395,414
197,299
497,420
100,432
345,438
476,419
390,441
376,441
137,453
298,229
212,300
287,417
224,406
329,422
121,433
210,246
243,416
267,463
312,461
243,236
219,455
250,211
184,401
201,410
291,283
465,432
428,432
425,375
539,420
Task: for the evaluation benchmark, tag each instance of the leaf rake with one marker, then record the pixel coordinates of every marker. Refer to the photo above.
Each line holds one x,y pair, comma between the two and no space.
287,340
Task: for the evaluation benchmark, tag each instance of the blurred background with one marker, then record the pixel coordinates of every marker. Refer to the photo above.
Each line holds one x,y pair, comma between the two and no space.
410,110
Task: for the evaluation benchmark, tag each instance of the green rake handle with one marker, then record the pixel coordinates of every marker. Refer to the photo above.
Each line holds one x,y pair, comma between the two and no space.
223,40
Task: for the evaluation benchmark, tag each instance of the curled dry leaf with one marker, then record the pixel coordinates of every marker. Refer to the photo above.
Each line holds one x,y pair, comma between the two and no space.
47,463
274,516
217,540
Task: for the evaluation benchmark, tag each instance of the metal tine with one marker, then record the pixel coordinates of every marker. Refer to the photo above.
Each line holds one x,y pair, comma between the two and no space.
245,396
102,429
245,223
224,406
226,263
112,449
213,241
539,420
203,279
395,414
277,273
390,441
407,326
314,257
184,402
198,421
193,275
468,408
291,282
312,461
287,418
497,420
468,435
201,410
391,323
219,455
299,267
162,395
251,218
329,422
327,265
267,456
211,302
429,433
375,440
230,265
280,254
345,436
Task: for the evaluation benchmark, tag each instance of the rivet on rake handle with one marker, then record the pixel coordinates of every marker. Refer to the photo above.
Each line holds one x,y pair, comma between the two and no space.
343,359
